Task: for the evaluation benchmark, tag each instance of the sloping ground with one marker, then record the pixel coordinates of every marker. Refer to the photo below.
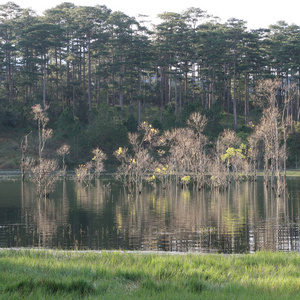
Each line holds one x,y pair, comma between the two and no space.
10,147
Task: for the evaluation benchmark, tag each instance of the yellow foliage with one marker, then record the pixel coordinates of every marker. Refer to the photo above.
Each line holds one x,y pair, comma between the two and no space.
161,152
119,151
152,178
186,178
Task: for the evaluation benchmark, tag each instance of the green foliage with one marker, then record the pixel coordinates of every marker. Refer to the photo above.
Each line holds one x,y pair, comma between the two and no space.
214,116
244,133
169,118
11,117
297,128
231,152
71,130
67,126
243,136
293,145
189,108
107,130
156,124
131,123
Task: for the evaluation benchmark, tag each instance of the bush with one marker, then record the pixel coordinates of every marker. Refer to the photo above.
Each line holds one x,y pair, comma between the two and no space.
131,123
67,126
107,130
10,117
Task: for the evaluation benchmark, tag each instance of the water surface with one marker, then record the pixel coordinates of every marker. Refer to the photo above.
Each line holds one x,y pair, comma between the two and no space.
245,218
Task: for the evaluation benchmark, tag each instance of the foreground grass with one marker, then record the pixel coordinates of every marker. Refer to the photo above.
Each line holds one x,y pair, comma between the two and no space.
32,274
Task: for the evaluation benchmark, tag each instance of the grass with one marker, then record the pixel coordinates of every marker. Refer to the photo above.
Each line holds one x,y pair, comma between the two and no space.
293,173
43,274
289,173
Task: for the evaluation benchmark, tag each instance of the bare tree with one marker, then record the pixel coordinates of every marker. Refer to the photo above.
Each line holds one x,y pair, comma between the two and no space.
138,163
273,130
25,161
86,172
44,172
255,152
198,122
187,151
63,151
98,159
226,141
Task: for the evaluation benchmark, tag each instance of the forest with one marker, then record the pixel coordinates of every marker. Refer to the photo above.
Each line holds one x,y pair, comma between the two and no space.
102,74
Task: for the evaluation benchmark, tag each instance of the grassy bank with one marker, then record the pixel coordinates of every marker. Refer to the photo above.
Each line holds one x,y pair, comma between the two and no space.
72,275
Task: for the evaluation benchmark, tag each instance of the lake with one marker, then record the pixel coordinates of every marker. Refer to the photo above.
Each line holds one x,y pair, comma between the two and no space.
242,219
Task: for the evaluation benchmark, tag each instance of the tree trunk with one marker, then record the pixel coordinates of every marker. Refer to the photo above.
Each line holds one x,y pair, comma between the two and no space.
176,97
56,73
68,75
234,95
61,82
89,75
139,96
121,90
44,80
73,91
246,107
162,95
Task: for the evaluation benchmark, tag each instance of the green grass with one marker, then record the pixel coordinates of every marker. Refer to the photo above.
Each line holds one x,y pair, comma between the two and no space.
293,173
43,274
289,173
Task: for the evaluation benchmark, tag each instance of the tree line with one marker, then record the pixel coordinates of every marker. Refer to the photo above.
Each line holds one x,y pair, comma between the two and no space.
80,57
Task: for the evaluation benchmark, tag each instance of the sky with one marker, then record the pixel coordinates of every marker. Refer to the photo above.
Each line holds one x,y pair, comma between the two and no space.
257,13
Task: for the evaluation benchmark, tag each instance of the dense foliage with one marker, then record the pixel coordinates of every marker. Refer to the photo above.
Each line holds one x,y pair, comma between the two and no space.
103,72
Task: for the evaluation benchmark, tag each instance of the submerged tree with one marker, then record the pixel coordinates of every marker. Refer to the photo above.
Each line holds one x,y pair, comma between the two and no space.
63,151
273,131
218,169
44,172
25,161
98,159
86,172
137,163
198,123
255,152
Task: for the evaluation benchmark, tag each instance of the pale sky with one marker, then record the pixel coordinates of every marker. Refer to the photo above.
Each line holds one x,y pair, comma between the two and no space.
257,13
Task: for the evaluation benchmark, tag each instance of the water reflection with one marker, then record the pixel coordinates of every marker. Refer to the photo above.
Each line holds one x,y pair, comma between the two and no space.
244,218
41,219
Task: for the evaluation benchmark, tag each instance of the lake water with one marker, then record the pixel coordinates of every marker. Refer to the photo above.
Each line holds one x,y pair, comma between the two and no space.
245,218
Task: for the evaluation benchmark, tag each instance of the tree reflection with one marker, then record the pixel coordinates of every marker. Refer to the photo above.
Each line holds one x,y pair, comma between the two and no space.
42,216
246,217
